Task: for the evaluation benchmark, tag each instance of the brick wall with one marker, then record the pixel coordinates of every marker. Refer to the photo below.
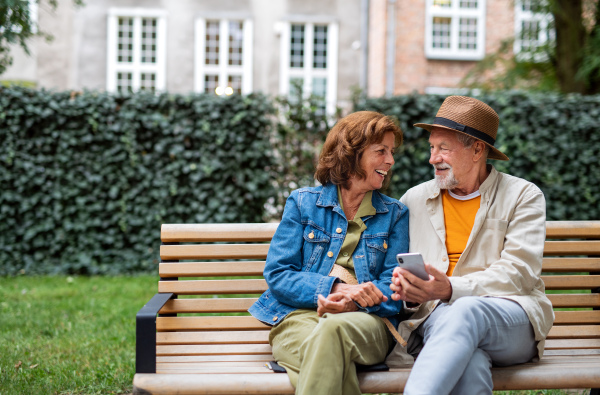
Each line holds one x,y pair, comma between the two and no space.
413,71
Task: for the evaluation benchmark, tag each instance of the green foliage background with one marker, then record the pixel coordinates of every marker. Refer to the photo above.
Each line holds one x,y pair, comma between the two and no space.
552,140
87,179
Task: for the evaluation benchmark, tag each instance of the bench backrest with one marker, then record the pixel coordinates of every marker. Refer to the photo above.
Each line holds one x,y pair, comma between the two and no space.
215,272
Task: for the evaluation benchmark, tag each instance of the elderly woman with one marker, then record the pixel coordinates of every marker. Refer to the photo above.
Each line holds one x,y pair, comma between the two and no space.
331,260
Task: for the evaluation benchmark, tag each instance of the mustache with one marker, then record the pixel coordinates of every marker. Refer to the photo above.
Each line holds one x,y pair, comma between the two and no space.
442,166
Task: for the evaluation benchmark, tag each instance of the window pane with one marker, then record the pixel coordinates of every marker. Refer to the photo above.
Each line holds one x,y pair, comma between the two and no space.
468,3
442,3
320,47
320,87
297,46
124,82
467,36
148,82
235,83
296,85
236,42
441,32
210,83
149,40
530,35
212,42
125,40
526,5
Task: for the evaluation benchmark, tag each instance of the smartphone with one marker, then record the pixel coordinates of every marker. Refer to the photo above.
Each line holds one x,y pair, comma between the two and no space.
413,262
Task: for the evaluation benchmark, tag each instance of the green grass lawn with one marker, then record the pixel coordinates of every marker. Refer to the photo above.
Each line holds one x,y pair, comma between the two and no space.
69,335
76,335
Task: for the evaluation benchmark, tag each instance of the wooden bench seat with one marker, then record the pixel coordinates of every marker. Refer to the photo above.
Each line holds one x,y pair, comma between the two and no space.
195,336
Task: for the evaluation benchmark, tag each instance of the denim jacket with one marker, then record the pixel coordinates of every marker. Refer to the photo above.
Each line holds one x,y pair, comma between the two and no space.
298,265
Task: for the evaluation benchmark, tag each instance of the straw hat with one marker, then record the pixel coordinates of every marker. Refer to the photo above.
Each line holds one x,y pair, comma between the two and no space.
471,117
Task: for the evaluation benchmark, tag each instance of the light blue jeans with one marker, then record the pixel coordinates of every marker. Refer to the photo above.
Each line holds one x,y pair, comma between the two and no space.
463,340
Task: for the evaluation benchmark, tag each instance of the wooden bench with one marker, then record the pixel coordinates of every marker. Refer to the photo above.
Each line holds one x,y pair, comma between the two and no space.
195,337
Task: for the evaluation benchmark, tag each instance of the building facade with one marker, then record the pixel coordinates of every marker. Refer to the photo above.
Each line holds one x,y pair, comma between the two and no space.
429,46
330,48
183,46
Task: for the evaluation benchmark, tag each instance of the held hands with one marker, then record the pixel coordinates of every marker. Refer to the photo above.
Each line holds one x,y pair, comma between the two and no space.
410,288
342,298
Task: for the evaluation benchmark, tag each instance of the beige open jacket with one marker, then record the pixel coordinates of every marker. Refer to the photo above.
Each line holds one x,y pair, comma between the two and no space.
503,256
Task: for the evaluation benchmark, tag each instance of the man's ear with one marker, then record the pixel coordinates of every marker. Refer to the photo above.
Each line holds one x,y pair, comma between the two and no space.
478,150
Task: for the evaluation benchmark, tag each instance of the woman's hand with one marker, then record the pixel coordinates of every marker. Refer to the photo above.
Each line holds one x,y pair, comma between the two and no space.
365,294
408,287
335,303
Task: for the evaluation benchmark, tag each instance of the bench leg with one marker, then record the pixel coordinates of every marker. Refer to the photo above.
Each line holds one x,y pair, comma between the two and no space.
145,333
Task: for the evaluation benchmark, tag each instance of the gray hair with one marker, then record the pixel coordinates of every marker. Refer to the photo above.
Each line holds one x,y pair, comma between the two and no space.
468,141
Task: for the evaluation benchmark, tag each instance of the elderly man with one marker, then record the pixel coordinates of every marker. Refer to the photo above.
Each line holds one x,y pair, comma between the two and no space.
481,234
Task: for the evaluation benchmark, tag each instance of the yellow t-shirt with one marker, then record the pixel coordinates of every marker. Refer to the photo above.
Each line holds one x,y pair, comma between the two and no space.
459,217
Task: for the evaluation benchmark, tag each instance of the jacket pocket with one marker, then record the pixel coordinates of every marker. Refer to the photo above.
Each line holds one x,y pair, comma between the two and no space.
315,242
376,249
492,236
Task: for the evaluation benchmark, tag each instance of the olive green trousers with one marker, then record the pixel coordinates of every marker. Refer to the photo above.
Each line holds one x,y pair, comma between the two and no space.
319,353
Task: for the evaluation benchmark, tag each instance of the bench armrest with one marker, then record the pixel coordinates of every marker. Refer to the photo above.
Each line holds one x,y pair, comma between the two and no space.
145,333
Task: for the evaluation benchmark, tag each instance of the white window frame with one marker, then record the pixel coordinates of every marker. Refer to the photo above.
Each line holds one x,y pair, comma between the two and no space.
307,73
136,67
521,16
223,69
455,13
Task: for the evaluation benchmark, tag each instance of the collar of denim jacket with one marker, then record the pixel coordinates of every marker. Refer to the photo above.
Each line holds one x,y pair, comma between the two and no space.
329,198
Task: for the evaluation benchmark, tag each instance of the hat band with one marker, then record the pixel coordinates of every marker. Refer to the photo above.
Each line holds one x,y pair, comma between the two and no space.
465,129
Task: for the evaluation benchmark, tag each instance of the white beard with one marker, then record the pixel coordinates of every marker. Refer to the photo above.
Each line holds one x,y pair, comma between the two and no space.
448,181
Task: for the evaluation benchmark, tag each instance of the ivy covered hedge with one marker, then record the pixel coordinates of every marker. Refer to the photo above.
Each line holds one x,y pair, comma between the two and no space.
552,140
87,179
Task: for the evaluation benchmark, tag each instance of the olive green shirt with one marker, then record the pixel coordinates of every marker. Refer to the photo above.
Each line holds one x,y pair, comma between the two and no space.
355,228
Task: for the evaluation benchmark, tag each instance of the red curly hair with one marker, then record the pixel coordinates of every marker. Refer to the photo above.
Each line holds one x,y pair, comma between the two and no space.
346,142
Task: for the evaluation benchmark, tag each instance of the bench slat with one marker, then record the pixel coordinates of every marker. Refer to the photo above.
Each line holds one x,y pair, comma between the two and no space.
216,358
578,247
572,229
574,300
207,305
208,349
210,287
209,323
214,251
570,374
207,384
181,368
212,269
558,344
210,337
217,232
571,265
571,282
574,332
577,317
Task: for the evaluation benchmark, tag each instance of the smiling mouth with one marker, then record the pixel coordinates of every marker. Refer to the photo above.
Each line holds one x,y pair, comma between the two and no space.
383,173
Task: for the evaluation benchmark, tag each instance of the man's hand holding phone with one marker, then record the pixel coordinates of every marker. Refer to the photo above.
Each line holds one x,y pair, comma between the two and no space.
411,288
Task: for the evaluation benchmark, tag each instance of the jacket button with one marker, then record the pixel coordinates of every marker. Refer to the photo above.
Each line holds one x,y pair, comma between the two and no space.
345,254
330,254
411,324
338,230
444,259
311,235
385,245
275,319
